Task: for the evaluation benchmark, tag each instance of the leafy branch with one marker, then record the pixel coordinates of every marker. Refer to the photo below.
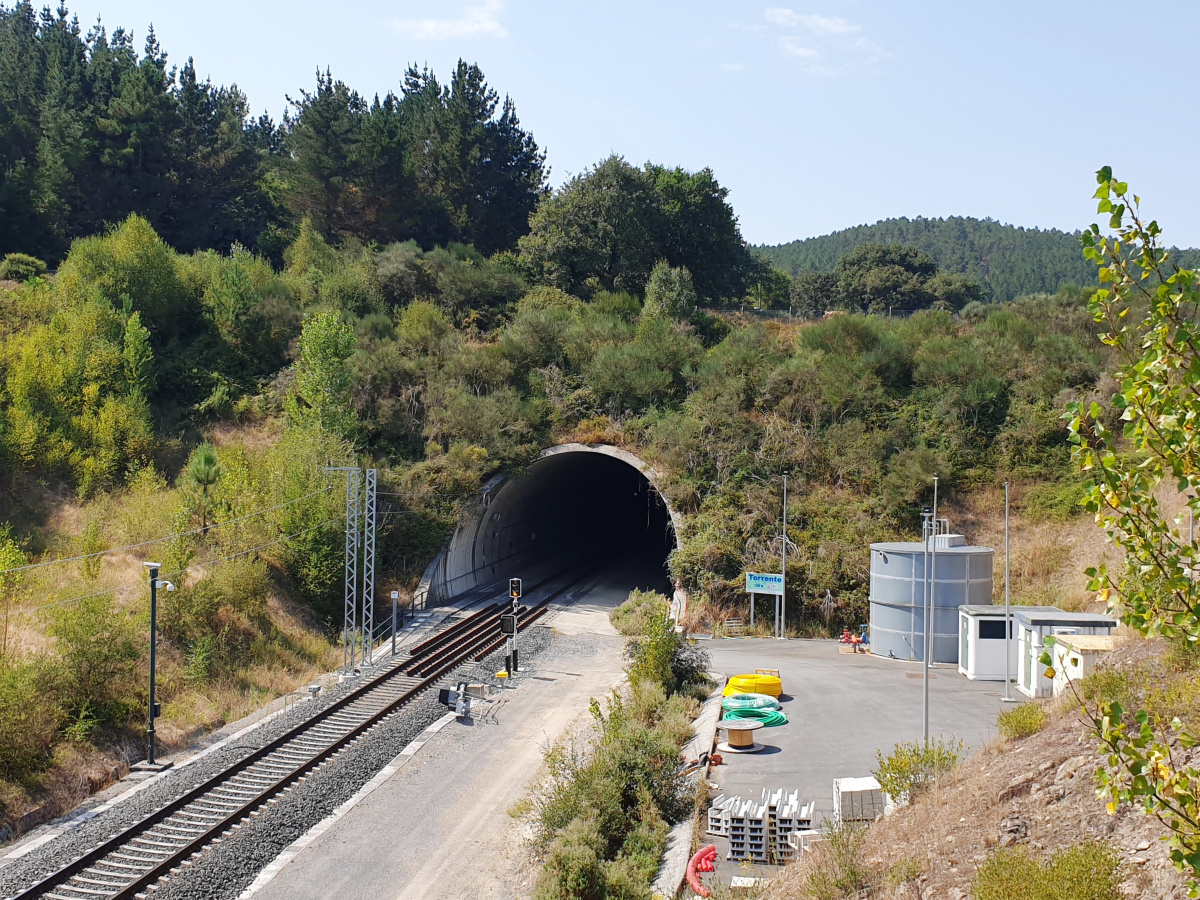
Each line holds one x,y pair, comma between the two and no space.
1147,305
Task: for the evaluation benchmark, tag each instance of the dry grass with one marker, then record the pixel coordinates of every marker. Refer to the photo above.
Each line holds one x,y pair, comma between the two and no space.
257,437
1047,559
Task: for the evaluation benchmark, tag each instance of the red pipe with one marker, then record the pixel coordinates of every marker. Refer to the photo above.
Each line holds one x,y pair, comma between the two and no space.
701,862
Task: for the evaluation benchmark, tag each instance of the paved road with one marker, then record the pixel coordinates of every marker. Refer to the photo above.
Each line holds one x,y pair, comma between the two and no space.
439,828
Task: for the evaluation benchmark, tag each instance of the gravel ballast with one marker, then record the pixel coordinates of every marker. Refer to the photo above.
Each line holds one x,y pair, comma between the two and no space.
224,869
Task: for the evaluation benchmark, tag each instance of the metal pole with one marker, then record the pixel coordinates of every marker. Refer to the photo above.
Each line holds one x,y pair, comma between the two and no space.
752,598
368,592
395,603
1008,698
350,616
783,557
924,629
153,658
932,610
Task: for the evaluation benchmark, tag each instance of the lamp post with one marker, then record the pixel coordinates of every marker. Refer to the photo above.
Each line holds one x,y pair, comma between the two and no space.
783,564
930,612
155,584
1008,698
927,528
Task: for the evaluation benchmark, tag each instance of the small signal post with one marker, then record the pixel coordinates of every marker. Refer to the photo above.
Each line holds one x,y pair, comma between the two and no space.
508,627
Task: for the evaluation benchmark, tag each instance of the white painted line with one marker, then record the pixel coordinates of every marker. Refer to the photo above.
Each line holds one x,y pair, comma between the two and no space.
293,849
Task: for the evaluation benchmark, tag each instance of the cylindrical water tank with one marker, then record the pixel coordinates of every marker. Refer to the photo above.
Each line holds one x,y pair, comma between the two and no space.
963,575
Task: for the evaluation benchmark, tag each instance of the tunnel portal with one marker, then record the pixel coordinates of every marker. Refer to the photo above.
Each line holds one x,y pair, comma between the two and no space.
578,505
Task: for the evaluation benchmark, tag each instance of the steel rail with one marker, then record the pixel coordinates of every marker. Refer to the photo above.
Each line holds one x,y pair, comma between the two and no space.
127,863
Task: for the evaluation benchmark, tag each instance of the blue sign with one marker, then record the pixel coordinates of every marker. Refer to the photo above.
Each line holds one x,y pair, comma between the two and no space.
763,583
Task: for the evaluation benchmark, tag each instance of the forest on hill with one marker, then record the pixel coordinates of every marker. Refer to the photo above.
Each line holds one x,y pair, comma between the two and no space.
190,400
1006,259
199,310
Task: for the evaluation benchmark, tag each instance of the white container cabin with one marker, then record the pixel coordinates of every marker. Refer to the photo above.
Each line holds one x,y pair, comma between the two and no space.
1033,625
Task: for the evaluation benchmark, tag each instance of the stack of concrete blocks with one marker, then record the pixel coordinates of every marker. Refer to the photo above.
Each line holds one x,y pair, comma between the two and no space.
758,830
747,830
718,816
788,813
857,800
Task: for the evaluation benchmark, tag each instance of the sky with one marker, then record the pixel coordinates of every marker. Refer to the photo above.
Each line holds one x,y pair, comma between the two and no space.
816,116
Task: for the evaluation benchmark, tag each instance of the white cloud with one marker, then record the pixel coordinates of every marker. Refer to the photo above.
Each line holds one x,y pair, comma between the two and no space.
785,17
475,21
791,48
821,45
816,24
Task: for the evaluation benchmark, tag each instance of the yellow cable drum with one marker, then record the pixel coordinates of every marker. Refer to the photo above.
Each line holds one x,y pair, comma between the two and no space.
753,684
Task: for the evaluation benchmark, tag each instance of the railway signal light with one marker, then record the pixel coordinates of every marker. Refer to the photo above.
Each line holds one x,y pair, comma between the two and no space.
508,625
514,588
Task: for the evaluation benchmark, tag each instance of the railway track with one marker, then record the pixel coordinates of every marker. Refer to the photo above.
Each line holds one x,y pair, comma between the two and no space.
130,862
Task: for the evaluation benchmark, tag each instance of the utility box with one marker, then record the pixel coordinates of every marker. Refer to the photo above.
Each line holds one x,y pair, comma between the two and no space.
1076,657
858,800
1033,626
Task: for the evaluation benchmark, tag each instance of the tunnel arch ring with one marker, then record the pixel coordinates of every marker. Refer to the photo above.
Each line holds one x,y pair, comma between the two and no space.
490,542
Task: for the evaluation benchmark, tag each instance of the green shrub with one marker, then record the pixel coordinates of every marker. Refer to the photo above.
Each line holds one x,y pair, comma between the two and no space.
641,854
28,727
132,267
97,645
1022,721
1055,502
1113,686
572,869
604,813
837,869
661,655
913,766
632,616
1088,871
20,267
74,404
905,870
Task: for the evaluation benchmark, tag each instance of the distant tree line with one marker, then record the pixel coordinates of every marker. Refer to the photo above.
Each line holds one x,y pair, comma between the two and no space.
1006,260
881,279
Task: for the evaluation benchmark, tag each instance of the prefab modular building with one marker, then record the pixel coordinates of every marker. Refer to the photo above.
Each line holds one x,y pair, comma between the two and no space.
1033,626
981,641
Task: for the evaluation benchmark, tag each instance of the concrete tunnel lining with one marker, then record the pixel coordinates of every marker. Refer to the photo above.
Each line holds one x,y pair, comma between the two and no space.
574,501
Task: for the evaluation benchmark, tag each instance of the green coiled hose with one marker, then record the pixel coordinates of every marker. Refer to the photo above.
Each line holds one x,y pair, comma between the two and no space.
769,717
750,701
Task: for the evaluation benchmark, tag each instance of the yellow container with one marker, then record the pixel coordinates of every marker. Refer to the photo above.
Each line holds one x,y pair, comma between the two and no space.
753,684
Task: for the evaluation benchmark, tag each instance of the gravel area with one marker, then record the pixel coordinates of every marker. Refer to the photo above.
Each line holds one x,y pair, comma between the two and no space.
224,869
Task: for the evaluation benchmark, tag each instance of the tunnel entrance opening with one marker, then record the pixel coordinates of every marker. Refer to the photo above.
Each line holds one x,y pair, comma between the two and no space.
586,509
